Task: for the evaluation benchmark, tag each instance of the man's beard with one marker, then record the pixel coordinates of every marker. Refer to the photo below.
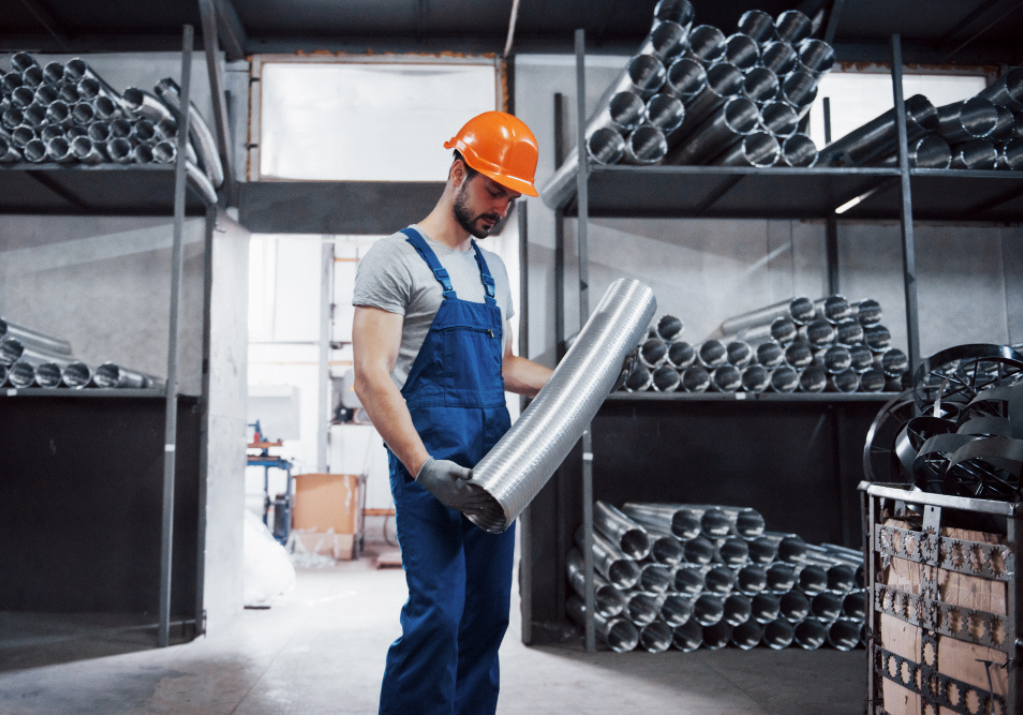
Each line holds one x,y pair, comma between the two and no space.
466,219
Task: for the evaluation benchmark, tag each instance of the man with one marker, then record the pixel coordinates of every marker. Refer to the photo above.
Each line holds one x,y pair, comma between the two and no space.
432,363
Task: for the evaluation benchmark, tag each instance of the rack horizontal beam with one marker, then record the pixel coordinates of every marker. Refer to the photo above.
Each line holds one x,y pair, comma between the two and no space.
879,397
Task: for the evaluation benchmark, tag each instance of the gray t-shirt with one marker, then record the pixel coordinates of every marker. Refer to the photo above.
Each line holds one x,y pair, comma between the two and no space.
393,276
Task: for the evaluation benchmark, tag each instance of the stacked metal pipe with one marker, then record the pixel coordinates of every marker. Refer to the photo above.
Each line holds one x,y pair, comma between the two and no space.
980,132
831,345
692,95
29,358
689,575
66,114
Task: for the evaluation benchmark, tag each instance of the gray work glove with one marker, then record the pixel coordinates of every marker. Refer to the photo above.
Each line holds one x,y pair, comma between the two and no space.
449,483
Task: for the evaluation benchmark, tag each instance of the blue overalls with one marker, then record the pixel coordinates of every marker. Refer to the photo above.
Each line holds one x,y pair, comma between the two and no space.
459,576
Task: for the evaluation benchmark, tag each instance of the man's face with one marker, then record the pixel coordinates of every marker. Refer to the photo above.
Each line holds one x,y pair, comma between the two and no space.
480,203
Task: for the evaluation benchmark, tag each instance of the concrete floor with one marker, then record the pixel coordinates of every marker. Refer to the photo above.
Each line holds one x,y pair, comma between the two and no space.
321,650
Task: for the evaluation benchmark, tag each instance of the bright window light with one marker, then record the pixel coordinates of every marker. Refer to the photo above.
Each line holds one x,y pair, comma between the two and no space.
858,97
348,121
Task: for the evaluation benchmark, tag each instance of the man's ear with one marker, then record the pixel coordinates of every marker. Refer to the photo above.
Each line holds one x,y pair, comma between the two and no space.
457,173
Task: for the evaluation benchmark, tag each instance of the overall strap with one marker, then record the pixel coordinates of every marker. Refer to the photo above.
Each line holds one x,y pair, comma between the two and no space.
424,250
488,280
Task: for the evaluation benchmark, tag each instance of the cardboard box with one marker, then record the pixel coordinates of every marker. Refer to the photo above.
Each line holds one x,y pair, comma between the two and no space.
956,659
327,502
340,547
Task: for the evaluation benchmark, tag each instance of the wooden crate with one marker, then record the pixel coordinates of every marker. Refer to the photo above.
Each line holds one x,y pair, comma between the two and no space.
943,617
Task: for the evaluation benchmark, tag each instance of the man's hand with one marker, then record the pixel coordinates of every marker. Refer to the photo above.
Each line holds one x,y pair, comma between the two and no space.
449,483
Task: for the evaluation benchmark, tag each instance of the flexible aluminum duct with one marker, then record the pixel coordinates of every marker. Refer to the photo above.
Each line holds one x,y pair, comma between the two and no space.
717,636
1010,154
35,115
120,151
687,638
873,381
630,538
623,112
735,119
815,57
751,579
50,132
779,119
755,378
748,635
760,85
813,579
826,607
742,51
1007,90
641,608
708,609
759,150
695,379
737,610
799,151
646,145
718,579
3,374
666,40
77,70
834,309
818,333
59,151
879,137
665,112
813,379
617,633
13,118
835,359
764,608
46,94
23,97
792,26
892,362
666,379
639,379
738,353
799,355
706,44
111,375
680,11
665,548
845,634
686,78
780,57
849,333
33,76
978,154
781,578
681,354
675,609
791,547
681,522
758,25
770,355
165,152
877,337
655,578
854,605
9,154
34,339
21,375
669,328
199,132
798,89
687,580
69,93
810,634
605,146
619,570
653,352
199,181
655,637
723,81
698,550
106,108
83,113
795,607
762,551
58,112
740,521
712,353
784,379
778,634
142,131
974,118
862,357
732,551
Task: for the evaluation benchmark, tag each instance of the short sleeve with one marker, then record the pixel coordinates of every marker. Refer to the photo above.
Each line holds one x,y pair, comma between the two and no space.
383,279
504,287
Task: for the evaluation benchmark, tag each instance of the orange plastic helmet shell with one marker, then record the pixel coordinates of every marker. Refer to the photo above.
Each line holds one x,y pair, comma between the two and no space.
500,146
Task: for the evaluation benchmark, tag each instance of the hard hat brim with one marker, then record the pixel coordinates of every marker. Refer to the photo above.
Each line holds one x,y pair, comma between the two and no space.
510,182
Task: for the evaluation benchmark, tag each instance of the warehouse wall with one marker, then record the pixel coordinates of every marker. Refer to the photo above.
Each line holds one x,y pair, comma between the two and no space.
706,270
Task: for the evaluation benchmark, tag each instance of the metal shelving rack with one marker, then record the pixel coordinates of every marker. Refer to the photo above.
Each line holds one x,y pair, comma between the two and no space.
145,190
776,193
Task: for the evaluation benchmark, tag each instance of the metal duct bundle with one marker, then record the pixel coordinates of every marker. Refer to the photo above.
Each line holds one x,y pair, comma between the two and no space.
724,581
981,132
66,114
675,100
29,358
958,430
830,344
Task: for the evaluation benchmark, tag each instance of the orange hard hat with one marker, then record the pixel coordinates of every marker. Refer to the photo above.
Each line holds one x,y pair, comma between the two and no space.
499,146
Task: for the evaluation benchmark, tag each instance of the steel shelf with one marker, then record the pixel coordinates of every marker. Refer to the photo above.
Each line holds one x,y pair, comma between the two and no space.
106,189
85,393
824,397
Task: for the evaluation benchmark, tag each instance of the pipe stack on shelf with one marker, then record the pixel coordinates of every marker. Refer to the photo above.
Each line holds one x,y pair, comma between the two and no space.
803,345
29,358
980,132
693,95
685,576
66,114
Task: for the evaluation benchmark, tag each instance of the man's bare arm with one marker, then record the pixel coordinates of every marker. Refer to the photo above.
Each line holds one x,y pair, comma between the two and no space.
376,337
522,376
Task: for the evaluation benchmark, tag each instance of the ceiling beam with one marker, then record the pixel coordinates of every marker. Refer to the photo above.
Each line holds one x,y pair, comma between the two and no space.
230,30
